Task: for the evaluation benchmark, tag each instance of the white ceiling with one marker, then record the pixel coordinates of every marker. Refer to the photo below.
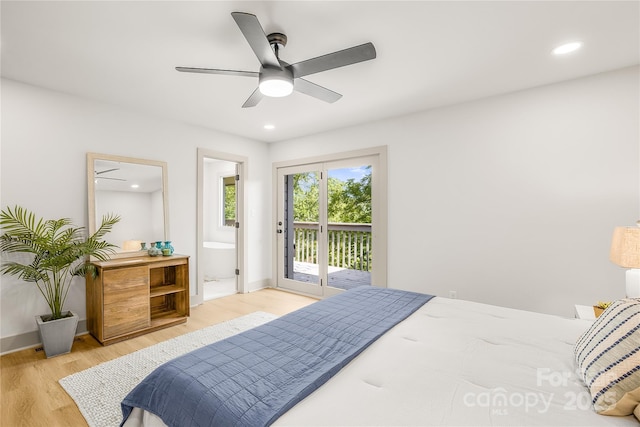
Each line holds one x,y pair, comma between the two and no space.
430,54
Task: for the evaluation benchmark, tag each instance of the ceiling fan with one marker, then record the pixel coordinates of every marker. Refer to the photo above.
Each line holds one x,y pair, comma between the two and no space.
276,77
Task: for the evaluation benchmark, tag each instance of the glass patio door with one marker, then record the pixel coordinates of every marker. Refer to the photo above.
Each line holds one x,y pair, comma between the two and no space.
299,229
324,226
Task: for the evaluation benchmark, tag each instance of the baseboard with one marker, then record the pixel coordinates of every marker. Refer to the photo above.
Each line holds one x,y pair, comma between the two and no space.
260,284
31,339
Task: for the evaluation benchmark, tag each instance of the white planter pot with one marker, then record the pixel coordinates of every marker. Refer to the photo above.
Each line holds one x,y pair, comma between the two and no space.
57,335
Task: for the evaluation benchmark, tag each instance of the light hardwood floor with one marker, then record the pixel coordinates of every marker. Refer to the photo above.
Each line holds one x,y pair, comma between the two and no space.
31,395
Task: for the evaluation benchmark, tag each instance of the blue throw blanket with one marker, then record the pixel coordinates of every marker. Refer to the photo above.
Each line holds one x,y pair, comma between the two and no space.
252,378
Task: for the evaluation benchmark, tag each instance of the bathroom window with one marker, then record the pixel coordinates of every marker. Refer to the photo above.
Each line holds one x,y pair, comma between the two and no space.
229,201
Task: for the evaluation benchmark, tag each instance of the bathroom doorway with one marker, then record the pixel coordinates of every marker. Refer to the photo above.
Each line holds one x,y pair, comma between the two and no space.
220,225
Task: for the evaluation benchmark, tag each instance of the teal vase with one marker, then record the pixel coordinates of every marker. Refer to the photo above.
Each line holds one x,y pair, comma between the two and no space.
167,244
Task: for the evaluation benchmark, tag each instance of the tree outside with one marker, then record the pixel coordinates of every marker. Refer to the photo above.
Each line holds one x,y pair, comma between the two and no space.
349,202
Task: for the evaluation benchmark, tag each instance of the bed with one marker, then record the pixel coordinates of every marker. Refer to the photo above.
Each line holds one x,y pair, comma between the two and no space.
454,362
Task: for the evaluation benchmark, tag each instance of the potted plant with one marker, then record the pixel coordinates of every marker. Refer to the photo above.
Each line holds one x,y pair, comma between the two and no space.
53,253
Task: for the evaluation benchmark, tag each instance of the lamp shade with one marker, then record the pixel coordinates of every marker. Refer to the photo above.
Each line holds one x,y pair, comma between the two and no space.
625,247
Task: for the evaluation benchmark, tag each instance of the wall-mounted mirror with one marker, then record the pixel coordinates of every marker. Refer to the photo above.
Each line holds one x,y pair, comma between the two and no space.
135,189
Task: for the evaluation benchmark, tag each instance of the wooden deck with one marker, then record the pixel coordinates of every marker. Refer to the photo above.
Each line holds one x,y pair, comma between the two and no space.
341,278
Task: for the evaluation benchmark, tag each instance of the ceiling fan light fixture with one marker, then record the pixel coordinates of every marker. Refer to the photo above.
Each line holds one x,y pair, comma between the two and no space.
276,86
275,82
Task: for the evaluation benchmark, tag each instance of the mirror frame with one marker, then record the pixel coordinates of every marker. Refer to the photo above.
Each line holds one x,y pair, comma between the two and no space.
91,192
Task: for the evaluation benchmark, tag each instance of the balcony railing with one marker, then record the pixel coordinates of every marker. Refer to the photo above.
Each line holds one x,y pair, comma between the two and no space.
349,245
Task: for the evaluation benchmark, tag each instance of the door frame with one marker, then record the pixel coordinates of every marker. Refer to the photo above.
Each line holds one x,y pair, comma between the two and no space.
241,218
379,215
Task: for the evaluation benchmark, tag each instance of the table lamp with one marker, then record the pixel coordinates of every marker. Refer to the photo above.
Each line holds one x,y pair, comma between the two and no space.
625,252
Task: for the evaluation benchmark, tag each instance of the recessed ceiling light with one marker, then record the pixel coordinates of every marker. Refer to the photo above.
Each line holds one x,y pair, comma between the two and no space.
134,186
269,127
567,48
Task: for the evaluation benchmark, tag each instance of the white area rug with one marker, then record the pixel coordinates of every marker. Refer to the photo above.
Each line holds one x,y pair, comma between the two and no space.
98,391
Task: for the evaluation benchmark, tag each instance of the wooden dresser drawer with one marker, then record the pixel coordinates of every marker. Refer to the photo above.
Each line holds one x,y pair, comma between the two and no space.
126,300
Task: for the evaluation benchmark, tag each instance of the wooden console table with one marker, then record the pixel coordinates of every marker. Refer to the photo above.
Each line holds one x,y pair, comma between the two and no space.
135,296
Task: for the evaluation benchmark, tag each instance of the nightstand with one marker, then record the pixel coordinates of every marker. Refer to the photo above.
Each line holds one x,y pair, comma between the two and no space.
585,312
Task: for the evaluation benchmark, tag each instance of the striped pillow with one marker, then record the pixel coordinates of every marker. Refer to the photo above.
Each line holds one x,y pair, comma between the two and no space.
608,359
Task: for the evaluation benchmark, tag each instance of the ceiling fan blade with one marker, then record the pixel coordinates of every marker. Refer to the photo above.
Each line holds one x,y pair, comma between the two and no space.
253,32
352,55
217,71
317,91
253,100
107,171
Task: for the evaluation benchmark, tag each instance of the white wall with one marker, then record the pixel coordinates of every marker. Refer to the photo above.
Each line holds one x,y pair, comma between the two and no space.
509,200
45,138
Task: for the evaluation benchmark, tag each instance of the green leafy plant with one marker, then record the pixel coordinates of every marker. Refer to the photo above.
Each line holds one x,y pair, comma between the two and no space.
57,252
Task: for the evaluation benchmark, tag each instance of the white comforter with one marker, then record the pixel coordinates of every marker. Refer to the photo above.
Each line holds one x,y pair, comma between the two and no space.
456,362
